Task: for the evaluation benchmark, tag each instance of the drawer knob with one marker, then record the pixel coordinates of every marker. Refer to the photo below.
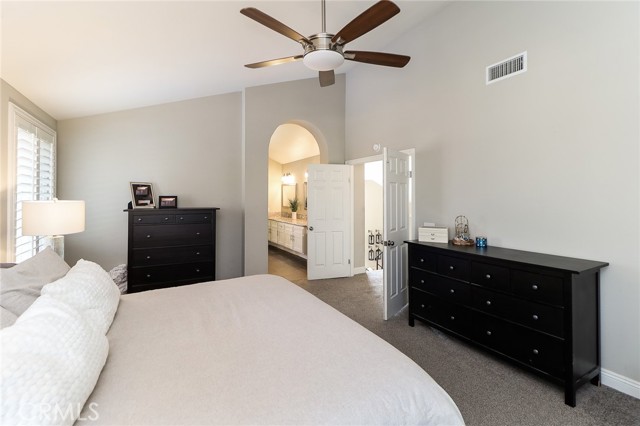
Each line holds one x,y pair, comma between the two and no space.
197,270
139,219
534,286
197,233
535,352
148,236
535,317
148,275
488,276
451,267
148,257
421,260
452,291
181,218
488,332
166,218
197,253
206,217
452,317
422,306
488,302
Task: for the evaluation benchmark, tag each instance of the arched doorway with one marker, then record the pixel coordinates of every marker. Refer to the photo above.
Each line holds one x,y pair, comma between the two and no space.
292,148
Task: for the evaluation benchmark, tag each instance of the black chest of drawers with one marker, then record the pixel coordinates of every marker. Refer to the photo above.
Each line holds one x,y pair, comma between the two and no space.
171,247
538,311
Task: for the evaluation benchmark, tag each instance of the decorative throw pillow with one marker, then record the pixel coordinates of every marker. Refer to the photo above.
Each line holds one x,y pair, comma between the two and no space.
20,286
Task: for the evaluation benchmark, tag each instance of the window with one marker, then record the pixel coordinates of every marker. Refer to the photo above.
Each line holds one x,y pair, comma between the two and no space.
34,152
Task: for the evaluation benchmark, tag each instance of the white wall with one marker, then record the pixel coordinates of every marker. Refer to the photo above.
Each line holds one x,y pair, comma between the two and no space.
191,149
546,161
275,186
303,102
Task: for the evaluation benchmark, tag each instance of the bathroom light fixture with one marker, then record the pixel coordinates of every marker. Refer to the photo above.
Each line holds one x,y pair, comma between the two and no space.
288,179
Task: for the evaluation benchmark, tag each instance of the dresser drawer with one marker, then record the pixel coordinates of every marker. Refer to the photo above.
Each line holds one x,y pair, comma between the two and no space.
539,287
153,219
494,333
453,267
170,273
448,289
492,302
194,218
537,316
163,256
171,235
453,317
490,275
540,317
423,259
539,351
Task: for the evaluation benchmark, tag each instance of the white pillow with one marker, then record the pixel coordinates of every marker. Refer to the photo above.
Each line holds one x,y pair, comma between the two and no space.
51,360
89,289
20,285
7,317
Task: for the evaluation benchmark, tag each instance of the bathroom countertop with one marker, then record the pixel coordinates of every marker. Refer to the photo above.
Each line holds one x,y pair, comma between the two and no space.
278,218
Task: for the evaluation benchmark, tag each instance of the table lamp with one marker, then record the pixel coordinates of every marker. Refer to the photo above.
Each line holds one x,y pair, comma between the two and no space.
53,218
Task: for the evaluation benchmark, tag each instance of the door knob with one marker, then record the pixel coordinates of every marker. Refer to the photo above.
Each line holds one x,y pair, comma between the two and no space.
311,228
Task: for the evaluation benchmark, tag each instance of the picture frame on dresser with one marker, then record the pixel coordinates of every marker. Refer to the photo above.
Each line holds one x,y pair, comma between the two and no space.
167,201
142,195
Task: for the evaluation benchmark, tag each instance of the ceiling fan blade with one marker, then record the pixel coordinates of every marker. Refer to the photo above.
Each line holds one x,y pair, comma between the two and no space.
366,21
274,24
377,58
274,62
327,78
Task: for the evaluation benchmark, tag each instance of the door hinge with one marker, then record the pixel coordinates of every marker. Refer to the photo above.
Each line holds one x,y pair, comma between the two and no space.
349,261
410,174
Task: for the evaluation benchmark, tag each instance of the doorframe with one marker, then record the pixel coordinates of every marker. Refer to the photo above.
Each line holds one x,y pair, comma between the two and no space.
412,201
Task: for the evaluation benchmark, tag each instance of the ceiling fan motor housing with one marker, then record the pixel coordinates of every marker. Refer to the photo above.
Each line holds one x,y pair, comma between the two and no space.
321,54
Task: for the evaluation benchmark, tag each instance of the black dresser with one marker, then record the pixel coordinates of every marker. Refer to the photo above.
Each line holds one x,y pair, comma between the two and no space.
171,247
539,311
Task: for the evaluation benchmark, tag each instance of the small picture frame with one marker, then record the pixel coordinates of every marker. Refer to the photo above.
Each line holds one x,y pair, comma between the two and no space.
168,202
142,195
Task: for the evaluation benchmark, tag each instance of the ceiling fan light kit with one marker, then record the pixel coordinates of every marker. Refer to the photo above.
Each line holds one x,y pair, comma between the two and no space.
323,52
323,60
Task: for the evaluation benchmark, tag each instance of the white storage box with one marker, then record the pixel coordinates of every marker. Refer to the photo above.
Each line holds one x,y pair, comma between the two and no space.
433,234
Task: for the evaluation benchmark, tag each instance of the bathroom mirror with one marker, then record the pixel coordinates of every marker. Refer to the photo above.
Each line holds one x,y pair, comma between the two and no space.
305,196
288,193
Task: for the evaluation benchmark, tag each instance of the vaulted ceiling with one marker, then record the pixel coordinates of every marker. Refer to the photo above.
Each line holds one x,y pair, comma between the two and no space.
80,58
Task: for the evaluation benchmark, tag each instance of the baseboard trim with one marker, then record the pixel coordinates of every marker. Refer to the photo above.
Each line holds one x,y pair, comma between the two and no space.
360,270
620,383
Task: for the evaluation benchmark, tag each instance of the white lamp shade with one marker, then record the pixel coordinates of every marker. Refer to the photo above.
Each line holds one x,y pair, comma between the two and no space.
54,217
323,60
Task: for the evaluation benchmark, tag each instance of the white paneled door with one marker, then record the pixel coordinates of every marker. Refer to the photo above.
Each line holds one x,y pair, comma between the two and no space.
329,199
396,179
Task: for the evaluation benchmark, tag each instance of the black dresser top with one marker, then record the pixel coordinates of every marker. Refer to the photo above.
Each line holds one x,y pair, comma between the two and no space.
167,211
569,264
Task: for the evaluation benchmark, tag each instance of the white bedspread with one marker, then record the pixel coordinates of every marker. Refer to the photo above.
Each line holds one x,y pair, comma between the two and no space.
255,350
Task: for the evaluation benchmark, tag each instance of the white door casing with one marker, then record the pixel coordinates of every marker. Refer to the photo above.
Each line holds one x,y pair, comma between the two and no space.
396,230
329,198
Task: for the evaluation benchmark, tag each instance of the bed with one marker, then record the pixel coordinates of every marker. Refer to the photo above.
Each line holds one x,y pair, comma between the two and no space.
251,350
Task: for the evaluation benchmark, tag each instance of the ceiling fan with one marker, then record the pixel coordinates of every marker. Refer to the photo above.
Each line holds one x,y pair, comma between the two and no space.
323,52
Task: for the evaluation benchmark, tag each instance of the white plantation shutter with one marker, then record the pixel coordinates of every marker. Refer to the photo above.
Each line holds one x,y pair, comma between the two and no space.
35,171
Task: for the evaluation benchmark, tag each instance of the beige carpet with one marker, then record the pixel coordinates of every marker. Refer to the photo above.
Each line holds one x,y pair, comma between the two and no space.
487,390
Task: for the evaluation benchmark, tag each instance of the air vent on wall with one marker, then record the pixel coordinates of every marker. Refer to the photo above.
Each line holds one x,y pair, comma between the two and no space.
507,68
